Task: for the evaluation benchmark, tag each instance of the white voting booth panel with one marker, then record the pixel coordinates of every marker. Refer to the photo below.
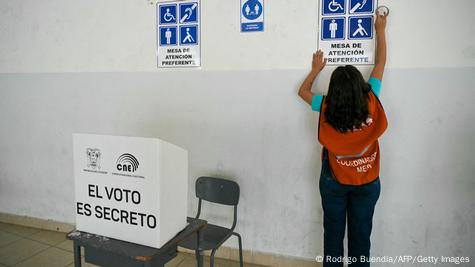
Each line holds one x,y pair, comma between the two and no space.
129,188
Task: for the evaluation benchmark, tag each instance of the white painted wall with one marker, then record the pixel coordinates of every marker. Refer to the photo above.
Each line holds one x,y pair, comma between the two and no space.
89,66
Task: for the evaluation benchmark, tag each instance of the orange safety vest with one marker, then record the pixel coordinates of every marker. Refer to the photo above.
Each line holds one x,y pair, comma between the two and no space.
354,156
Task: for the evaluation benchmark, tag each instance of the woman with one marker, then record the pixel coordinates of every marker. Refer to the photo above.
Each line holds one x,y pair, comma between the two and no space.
351,121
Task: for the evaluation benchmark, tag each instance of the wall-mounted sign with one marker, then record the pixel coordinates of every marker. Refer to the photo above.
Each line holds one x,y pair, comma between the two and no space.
129,188
252,15
346,31
178,34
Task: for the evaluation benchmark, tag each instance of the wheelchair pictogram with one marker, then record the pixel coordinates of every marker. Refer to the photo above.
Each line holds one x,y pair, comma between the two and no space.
333,7
168,14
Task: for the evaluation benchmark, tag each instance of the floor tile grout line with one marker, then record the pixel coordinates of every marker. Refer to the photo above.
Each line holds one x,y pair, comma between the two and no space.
63,249
39,230
40,253
32,256
8,244
44,242
28,236
182,260
16,263
49,246
8,232
69,263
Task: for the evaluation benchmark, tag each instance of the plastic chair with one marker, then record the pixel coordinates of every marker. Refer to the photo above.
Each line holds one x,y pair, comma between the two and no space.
221,191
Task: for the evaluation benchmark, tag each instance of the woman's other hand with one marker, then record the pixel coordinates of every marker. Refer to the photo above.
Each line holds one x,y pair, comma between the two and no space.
318,62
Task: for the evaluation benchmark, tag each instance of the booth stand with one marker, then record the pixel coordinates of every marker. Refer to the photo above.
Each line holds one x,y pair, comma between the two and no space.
110,252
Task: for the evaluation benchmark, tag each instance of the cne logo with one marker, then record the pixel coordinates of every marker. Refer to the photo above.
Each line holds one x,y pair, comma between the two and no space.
127,163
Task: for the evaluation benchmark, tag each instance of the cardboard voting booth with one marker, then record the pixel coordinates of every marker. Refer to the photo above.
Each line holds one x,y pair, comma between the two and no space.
129,188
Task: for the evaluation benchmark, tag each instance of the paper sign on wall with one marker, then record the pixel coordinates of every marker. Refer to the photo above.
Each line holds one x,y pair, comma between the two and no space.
346,31
252,15
178,34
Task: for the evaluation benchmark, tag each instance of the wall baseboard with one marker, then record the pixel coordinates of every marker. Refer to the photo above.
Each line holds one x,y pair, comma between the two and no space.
36,222
227,253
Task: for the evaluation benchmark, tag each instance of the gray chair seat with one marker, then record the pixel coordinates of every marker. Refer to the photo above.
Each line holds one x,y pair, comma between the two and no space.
212,236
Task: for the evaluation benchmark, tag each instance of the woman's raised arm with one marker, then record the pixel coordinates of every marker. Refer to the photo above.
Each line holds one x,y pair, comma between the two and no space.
380,61
318,63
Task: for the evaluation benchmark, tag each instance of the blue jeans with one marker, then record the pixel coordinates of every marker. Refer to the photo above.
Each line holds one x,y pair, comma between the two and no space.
338,201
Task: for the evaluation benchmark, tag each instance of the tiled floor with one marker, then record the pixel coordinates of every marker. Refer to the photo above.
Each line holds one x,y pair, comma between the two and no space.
30,247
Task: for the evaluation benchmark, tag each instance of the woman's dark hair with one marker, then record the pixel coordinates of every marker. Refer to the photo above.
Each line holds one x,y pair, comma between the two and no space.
347,99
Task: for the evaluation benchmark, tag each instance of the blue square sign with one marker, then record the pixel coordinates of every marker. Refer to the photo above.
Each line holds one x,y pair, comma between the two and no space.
189,12
361,6
333,28
333,7
189,35
168,36
360,27
168,14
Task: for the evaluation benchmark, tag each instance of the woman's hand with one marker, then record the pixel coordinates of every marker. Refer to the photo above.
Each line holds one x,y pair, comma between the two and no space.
318,62
380,24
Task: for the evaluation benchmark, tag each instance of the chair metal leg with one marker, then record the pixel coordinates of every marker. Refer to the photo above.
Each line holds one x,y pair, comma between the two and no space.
198,253
211,258
240,249
199,258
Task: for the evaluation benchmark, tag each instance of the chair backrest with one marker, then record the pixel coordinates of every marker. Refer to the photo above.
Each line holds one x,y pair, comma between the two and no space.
217,190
